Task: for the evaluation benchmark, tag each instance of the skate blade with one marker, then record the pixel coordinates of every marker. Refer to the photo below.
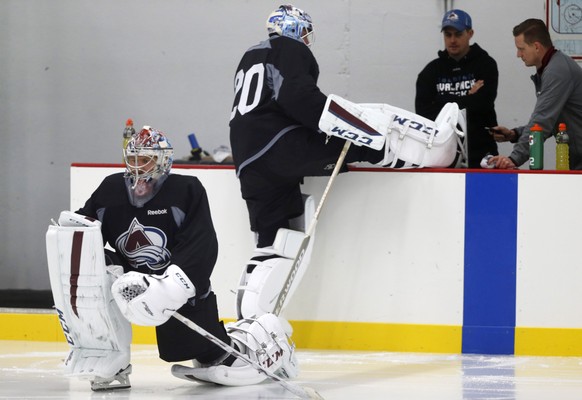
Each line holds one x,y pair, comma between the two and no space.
182,372
118,382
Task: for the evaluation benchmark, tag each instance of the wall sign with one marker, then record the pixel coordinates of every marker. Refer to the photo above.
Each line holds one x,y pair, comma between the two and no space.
564,20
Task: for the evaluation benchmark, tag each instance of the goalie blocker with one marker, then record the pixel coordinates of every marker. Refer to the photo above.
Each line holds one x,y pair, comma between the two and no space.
409,140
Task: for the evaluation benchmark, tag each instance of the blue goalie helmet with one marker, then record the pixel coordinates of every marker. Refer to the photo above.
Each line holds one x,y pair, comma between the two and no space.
292,22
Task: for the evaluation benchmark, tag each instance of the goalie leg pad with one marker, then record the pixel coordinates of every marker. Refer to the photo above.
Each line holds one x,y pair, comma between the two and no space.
260,288
98,335
263,341
414,141
265,275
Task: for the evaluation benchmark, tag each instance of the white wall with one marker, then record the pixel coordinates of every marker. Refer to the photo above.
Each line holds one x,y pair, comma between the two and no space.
390,247
376,274
72,72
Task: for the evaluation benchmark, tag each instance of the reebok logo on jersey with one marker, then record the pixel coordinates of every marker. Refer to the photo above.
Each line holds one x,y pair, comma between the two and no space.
158,212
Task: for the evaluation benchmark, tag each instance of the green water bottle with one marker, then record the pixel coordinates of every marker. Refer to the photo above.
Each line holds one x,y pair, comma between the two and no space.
562,149
536,147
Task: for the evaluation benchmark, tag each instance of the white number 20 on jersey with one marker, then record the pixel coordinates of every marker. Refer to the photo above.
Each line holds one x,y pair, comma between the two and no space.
242,81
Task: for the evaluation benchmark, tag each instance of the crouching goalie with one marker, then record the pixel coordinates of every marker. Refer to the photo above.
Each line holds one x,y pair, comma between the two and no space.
165,247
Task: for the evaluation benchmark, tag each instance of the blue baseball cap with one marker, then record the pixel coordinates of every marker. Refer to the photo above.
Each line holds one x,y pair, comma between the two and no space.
457,19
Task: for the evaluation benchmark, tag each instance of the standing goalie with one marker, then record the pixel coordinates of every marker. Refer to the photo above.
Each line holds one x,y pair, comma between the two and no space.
164,250
275,136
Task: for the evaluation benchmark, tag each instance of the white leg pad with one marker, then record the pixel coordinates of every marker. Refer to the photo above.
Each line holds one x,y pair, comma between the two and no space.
98,335
409,140
415,142
259,292
259,289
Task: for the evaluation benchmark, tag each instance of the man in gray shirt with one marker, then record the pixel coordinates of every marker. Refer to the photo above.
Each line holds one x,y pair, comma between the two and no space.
558,85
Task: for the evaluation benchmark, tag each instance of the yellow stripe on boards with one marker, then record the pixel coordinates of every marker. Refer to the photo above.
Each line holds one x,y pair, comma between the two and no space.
330,335
377,336
46,328
34,327
548,341
143,334
306,334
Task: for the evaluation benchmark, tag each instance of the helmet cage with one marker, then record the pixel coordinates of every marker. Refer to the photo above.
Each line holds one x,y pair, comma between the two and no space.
148,156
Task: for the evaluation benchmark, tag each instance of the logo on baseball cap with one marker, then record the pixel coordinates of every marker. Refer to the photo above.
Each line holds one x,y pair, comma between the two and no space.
457,19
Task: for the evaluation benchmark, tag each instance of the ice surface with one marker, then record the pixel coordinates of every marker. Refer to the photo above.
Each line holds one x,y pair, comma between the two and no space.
32,370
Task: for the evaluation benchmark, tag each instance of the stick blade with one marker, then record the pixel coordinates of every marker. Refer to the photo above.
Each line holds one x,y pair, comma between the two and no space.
312,393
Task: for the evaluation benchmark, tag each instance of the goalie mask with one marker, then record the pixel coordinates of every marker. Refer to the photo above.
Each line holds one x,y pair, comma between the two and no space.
292,22
148,159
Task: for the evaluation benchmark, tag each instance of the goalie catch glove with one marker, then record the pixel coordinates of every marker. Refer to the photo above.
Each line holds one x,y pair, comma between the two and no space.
151,300
72,219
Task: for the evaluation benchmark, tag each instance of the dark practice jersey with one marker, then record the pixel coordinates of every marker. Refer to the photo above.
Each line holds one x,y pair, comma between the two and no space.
275,92
174,227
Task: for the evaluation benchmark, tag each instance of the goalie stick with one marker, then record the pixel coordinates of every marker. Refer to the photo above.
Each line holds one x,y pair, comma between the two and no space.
309,232
300,391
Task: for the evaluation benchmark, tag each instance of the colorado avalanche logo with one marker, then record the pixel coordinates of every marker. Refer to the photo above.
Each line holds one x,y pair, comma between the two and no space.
144,247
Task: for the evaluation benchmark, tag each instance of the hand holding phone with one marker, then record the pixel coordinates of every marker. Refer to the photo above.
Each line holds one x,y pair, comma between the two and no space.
501,133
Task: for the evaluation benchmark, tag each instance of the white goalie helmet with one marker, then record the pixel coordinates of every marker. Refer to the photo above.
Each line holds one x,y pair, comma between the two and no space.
292,22
148,159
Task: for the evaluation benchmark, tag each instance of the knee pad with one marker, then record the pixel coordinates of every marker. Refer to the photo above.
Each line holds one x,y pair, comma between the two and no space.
98,335
265,275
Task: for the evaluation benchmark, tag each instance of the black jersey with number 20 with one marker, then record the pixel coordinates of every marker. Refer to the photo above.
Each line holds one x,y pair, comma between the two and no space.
275,92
